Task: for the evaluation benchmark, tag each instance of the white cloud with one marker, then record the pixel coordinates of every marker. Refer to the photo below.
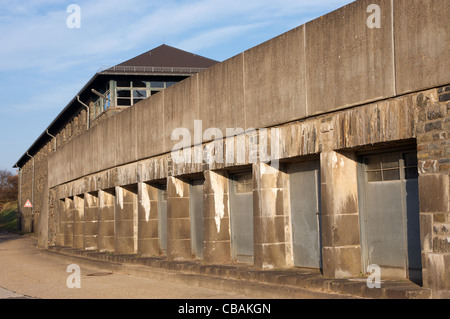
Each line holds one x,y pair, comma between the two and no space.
216,36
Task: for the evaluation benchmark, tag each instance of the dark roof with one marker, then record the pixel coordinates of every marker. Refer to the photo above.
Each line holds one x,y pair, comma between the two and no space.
163,60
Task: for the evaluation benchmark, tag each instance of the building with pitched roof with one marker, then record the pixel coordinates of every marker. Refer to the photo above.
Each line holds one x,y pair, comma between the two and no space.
123,85
324,148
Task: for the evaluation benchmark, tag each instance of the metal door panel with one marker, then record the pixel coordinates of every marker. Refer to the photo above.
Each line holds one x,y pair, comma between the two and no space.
241,222
390,224
305,213
196,212
162,219
385,224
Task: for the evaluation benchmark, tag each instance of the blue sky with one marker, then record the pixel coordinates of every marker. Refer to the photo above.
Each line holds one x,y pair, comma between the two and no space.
44,64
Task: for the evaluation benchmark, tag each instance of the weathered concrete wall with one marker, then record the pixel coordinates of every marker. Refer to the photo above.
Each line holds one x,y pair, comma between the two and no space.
376,123
275,75
148,236
421,44
338,137
216,218
78,222
349,63
106,220
330,63
125,219
69,209
178,219
273,242
340,215
91,221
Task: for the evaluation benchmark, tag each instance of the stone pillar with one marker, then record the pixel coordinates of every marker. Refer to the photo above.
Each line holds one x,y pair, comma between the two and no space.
178,220
148,240
270,215
434,200
340,215
432,129
91,221
61,221
78,222
43,231
126,220
217,239
68,222
106,217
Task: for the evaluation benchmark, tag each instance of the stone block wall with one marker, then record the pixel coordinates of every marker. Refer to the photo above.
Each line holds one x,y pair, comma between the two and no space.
433,144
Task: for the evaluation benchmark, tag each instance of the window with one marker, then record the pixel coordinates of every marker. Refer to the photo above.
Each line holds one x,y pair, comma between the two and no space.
391,167
157,85
243,183
139,84
131,92
124,84
103,102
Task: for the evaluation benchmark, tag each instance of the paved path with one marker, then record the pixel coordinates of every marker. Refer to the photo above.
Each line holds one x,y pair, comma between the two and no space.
26,272
6,294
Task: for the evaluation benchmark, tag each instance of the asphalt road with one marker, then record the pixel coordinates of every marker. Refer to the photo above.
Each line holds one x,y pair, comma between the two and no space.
27,272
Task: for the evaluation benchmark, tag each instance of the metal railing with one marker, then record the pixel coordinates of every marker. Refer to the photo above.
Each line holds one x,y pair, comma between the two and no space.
146,69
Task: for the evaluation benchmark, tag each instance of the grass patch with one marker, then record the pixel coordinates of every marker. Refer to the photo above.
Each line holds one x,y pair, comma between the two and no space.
8,218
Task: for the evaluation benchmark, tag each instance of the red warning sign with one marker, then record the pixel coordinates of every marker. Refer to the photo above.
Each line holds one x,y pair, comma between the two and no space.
28,204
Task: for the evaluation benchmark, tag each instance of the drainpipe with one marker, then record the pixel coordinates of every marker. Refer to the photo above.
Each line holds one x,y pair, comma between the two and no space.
19,206
87,108
19,200
52,137
32,190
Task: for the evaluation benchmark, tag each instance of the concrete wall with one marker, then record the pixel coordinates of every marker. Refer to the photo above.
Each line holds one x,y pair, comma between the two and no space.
331,63
338,138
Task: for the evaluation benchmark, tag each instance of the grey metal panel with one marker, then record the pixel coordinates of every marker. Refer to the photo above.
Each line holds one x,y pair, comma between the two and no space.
196,211
305,213
390,220
162,220
385,224
242,245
